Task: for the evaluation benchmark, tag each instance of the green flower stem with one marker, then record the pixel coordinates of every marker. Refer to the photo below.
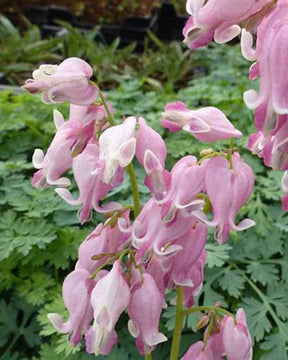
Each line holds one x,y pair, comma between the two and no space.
109,115
135,192
212,155
178,326
148,356
209,329
207,308
230,153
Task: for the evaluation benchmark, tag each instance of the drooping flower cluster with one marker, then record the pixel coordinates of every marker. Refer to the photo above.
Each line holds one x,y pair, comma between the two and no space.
126,265
271,104
220,19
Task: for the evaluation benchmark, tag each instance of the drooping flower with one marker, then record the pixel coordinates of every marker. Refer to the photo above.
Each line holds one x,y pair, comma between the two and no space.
207,124
58,158
149,233
236,338
151,153
272,100
144,309
197,351
67,82
77,288
192,243
109,299
91,187
105,239
228,190
272,148
88,114
187,181
218,19
117,147
195,278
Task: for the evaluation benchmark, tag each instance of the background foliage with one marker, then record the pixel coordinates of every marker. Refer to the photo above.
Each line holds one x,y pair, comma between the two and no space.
40,234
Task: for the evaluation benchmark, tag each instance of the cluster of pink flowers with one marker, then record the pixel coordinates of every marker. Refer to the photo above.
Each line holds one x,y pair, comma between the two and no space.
229,333
164,247
269,19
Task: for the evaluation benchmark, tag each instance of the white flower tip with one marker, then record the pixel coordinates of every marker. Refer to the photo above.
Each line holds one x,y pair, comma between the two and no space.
133,329
56,320
156,339
58,119
37,158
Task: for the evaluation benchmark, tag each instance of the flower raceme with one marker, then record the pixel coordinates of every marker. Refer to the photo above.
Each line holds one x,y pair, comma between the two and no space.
219,19
70,140
228,190
128,267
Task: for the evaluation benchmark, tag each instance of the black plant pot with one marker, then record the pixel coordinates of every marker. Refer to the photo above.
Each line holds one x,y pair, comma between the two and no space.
58,13
38,15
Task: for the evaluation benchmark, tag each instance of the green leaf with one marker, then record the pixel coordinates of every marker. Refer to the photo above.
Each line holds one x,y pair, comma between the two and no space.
233,282
278,297
275,347
217,255
21,234
257,319
263,273
36,288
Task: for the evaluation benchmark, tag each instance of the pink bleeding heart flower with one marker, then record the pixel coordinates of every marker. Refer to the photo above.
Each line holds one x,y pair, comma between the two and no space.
284,198
218,19
272,148
156,269
149,233
207,124
187,181
215,344
104,239
195,276
236,338
88,114
109,299
228,190
77,288
151,153
67,82
272,35
198,352
117,147
193,243
144,309
58,158
92,188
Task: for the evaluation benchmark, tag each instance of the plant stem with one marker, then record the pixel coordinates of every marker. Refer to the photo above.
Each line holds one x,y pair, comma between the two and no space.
207,308
209,329
109,115
148,356
230,153
219,153
135,192
178,326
